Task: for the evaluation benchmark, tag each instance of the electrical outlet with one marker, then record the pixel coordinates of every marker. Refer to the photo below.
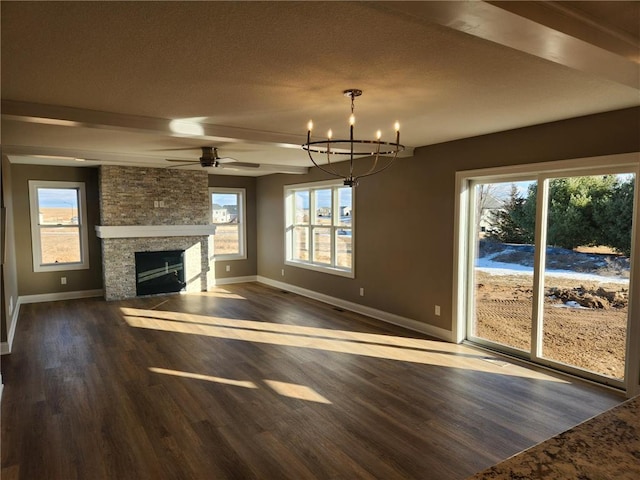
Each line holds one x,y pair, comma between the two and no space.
437,310
283,272
161,203
228,268
63,280
155,203
362,291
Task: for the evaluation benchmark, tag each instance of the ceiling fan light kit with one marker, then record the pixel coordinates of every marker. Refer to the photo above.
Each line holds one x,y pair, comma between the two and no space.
209,157
354,147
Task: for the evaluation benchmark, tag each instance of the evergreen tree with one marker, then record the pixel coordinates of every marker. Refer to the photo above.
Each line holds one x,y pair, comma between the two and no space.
510,224
571,201
589,210
614,214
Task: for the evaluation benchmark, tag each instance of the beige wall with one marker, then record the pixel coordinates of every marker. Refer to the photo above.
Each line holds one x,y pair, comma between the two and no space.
247,267
30,282
405,216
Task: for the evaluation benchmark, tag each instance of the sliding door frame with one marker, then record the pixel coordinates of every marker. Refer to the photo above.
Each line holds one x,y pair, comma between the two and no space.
465,249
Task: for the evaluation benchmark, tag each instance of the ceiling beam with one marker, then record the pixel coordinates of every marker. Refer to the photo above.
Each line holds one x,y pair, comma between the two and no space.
490,22
75,117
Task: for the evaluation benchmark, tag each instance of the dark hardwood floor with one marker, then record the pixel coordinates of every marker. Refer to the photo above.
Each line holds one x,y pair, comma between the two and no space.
248,382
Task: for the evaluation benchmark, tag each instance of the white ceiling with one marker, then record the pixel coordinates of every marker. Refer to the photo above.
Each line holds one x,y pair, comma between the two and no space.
103,80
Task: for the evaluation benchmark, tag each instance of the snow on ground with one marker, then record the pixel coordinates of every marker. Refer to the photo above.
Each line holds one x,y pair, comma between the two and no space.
570,304
485,264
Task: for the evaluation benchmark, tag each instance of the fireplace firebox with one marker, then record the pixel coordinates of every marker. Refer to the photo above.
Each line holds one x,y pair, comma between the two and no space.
159,272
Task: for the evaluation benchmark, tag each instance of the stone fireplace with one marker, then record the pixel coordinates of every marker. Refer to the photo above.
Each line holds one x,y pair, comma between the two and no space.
153,209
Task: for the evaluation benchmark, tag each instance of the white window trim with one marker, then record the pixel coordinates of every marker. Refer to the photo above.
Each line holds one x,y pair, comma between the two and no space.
242,230
584,166
289,213
83,226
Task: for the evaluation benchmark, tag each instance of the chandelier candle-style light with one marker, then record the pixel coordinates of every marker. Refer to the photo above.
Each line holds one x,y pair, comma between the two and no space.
354,148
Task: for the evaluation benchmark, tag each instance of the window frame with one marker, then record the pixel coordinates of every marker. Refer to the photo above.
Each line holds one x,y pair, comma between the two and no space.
543,172
83,227
290,224
242,224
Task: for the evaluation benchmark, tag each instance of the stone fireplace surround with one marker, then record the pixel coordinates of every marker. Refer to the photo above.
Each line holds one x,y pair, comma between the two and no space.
131,222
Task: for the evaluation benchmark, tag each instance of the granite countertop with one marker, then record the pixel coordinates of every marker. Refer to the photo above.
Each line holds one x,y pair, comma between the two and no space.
604,447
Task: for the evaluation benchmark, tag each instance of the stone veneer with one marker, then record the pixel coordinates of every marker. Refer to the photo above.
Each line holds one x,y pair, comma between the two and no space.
127,196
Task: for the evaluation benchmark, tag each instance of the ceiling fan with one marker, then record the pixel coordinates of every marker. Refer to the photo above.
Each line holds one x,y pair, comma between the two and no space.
210,158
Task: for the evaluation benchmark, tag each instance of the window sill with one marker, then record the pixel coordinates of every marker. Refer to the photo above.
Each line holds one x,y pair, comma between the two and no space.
322,269
217,258
61,267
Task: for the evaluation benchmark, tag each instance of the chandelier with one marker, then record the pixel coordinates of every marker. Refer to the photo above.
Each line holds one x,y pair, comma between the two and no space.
383,153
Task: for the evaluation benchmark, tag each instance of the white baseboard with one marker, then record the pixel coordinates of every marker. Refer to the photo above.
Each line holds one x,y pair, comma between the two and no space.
54,297
5,347
407,323
229,280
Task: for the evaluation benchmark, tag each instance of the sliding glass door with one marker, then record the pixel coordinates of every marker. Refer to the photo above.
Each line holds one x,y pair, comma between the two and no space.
586,272
501,271
548,273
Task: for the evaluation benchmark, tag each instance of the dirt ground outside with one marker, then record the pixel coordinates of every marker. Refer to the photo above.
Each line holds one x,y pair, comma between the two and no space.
584,322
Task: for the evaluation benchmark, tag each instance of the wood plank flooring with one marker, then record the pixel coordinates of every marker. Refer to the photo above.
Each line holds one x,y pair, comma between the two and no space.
249,382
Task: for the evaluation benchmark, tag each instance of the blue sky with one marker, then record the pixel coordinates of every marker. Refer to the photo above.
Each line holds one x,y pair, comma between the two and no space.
223,199
58,197
324,198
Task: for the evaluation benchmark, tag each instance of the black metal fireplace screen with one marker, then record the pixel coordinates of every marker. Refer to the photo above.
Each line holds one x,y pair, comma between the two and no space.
159,272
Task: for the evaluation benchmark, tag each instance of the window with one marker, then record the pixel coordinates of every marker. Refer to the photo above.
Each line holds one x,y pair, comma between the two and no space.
558,244
228,215
59,234
319,227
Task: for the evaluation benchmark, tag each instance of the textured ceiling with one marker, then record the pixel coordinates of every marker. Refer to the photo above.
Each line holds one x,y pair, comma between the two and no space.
101,79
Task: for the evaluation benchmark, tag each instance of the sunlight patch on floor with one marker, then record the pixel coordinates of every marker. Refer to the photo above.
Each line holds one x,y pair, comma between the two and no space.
294,390
406,342
208,378
286,389
438,354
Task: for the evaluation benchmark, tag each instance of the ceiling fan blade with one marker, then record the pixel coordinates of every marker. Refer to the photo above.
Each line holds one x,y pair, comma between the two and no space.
226,160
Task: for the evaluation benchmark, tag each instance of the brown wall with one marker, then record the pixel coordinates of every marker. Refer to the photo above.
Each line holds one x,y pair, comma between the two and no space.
30,282
405,216
9,270
248,266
